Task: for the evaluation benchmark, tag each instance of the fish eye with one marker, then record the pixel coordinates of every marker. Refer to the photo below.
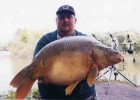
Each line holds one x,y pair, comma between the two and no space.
116,52
113,51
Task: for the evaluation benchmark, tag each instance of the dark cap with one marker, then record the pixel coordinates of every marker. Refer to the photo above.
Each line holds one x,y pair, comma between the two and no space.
65,8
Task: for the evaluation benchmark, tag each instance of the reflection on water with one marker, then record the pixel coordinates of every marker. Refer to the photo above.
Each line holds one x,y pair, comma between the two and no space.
5,72
10,66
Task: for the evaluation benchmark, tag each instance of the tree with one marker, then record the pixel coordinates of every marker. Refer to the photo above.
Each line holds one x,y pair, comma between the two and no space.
24,42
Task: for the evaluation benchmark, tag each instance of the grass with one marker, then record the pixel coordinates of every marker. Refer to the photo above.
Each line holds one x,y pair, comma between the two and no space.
34,94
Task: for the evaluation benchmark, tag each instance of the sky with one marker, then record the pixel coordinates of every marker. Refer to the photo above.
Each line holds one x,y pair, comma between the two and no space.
92,15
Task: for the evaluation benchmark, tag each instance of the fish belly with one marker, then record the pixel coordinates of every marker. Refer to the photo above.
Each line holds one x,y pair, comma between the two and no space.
69,68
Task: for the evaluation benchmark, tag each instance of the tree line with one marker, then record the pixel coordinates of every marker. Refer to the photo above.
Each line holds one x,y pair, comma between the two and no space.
121,39
25,40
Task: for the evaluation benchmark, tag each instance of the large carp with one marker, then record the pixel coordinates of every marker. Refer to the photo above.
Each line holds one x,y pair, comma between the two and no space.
66,61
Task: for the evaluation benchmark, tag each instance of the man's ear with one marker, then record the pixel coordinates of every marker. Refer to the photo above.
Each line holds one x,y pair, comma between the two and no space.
56,21
75,20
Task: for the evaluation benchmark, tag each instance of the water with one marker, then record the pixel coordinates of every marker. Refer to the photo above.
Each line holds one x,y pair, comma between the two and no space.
5,71
10,66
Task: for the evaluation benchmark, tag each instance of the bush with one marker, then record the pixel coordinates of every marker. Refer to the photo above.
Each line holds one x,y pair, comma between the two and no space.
24,43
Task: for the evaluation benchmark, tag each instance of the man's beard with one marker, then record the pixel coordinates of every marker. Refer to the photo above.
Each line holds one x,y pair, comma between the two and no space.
65,30
65,27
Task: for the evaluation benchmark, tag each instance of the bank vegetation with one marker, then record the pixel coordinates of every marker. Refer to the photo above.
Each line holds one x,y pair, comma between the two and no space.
25,40
24,43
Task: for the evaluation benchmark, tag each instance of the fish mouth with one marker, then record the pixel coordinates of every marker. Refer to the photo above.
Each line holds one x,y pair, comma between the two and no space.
120,57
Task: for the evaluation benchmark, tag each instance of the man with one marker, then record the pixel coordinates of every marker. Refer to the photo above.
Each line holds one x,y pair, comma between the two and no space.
65,22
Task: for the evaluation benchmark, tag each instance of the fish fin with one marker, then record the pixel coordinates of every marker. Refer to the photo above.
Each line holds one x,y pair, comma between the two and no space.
24,88
23,83
91,78
19,78
71,87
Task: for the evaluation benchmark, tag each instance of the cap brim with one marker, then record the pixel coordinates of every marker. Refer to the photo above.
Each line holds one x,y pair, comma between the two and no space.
67,11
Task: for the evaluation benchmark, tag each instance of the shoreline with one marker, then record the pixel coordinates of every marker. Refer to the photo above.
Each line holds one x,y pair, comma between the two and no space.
117,91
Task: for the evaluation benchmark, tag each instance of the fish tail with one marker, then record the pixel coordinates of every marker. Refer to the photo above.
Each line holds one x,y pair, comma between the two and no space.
23,83
24,89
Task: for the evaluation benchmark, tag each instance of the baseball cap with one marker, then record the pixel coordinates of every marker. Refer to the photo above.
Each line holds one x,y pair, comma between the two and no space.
65,8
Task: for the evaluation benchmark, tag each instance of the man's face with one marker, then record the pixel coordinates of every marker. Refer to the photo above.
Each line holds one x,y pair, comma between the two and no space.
65,22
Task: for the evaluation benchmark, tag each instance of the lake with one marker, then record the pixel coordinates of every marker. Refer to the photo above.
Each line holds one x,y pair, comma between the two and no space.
10,66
